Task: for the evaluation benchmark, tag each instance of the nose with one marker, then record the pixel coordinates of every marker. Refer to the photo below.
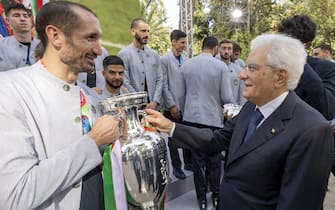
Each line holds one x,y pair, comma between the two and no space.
243,75
97,49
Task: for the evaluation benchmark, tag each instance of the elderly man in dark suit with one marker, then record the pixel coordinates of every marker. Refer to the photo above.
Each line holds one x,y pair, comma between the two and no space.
280,148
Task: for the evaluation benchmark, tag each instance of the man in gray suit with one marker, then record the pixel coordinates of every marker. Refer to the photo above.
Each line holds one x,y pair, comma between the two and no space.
113,73
18,50
234,70
142,64
207,88
49,154
171,63
280,148
235,57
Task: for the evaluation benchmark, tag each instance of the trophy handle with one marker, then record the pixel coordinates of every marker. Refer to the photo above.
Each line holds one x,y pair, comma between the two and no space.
122,124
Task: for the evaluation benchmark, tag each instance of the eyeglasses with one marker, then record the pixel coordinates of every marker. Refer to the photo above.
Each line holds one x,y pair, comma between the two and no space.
252,67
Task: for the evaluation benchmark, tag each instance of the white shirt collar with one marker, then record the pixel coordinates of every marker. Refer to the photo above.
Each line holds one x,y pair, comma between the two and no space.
272,105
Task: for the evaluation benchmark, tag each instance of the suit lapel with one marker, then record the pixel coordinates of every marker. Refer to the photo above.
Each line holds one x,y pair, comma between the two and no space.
240,126
270,128
173,59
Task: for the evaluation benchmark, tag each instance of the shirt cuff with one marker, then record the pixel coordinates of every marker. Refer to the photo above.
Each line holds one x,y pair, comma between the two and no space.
332,122
172,130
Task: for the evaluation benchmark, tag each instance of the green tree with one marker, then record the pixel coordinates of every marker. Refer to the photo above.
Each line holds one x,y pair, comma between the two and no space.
201,24
153,12
262,16
254,20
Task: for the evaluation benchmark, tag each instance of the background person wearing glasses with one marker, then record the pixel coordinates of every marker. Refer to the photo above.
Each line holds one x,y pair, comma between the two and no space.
279,147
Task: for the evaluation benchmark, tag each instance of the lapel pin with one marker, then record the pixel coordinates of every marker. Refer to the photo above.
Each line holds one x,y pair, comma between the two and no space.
273,130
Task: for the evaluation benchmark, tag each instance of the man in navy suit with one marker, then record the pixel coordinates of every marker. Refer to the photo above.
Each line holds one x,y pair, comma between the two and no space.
317,83
285,163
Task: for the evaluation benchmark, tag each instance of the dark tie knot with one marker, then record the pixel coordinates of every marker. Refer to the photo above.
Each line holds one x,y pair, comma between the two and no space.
256,117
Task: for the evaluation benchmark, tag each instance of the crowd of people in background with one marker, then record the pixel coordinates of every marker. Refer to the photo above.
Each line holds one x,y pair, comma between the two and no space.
278,150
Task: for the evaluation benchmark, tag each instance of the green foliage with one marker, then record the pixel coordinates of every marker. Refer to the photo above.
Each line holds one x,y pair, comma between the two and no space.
115,19
201,25
263,16
155,15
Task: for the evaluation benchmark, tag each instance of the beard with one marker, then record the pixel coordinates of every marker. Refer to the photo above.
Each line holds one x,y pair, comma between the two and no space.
225,57
140,40
115,85
77,62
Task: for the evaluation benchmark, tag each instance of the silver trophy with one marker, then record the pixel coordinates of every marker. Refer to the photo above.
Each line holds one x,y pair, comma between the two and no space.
144,153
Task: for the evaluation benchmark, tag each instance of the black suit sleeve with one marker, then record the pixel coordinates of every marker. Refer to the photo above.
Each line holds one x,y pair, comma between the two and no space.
326,70
317,86
203,139
312,91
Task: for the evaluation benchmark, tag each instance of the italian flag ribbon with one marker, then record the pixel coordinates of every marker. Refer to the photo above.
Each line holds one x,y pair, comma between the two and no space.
108,180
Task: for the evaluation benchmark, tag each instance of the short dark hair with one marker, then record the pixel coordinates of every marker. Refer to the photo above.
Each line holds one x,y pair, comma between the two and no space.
112,60
300,27
325,47
17,6
236,47
177,34
209,42
61,15
135,22
226,41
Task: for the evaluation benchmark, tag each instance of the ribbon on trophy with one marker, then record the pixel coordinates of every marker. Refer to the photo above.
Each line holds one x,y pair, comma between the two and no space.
108,179
113,178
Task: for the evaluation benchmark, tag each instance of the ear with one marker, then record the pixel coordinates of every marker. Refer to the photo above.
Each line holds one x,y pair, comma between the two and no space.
55,36
132,31
281,78
328,53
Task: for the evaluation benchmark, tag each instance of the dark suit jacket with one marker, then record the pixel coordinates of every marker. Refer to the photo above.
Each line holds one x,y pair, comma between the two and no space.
326,70
317,86
283,166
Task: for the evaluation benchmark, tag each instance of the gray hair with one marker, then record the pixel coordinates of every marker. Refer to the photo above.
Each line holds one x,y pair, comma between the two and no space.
283,52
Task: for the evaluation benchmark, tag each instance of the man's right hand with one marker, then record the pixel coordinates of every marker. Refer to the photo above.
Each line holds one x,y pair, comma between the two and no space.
157,120
175,113
105,130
